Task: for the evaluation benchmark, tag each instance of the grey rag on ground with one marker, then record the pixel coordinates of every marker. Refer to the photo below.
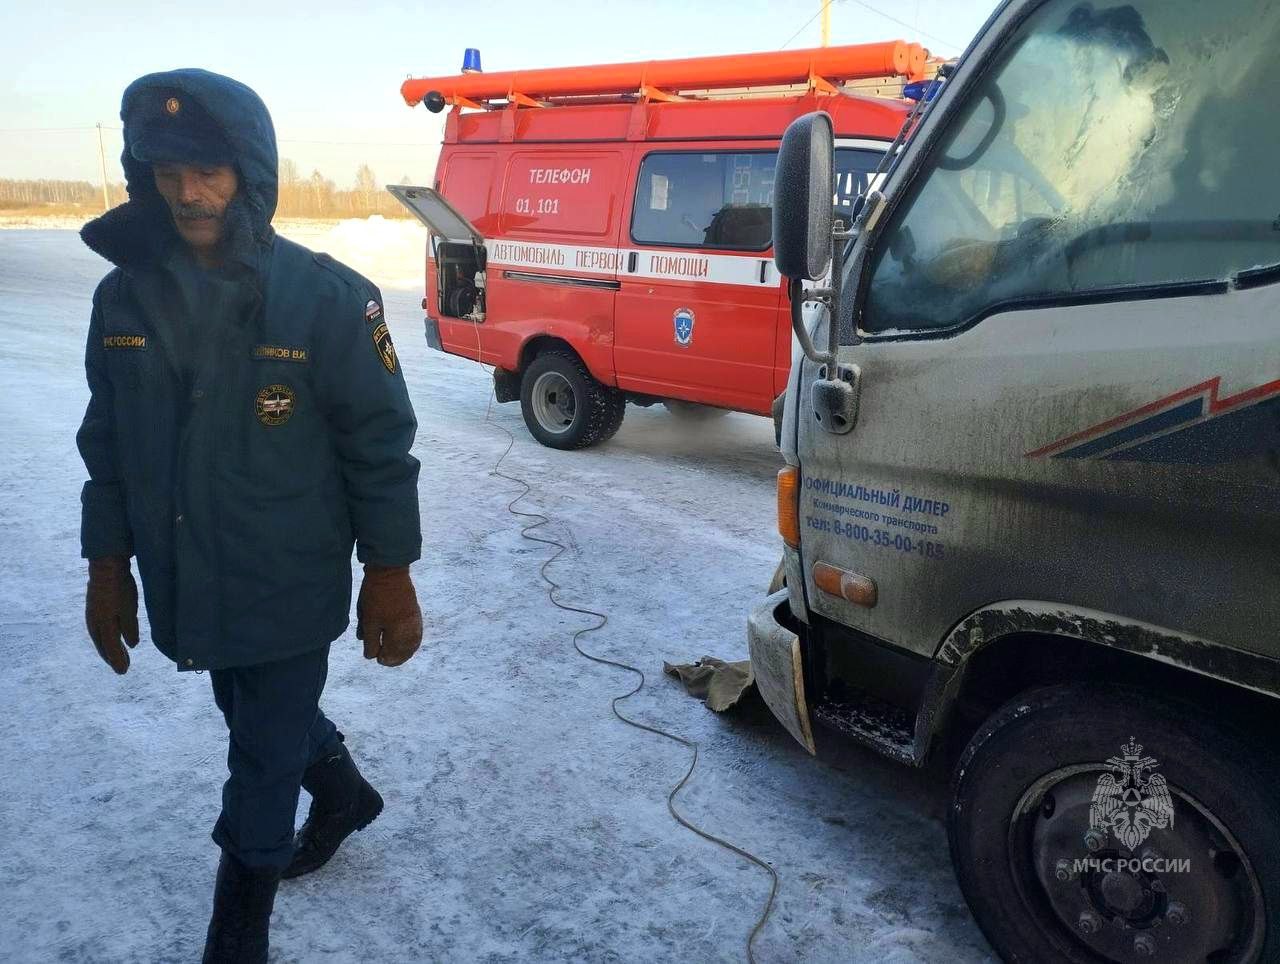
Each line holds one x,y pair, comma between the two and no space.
717,683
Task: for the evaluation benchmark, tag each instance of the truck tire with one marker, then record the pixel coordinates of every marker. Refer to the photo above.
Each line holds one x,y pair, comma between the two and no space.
1063,856
692,411
564,406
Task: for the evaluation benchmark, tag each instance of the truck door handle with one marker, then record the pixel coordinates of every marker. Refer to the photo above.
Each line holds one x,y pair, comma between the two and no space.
632,258
764,270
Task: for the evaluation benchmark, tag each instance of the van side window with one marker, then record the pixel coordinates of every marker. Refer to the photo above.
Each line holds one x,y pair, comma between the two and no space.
1108,150
712,200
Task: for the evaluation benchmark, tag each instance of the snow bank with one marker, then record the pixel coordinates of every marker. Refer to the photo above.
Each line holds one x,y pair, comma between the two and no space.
390,252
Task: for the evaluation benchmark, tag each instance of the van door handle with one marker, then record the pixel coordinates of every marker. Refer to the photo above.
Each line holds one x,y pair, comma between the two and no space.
632,258
764,271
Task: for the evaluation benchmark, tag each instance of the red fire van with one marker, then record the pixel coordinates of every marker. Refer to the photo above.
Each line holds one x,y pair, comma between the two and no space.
603,234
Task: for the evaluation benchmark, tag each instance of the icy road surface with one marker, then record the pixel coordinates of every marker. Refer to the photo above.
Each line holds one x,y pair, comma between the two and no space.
523,822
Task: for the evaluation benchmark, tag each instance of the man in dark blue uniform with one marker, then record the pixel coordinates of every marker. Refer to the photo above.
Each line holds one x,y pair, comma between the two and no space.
248,425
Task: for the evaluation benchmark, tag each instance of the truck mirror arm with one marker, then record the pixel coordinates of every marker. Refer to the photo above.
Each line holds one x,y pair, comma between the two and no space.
798,296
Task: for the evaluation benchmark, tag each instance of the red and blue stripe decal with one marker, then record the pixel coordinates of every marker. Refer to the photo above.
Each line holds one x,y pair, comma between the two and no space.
1195,426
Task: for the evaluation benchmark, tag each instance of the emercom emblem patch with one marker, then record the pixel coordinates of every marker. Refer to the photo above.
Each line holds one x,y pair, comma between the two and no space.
274,405
386,350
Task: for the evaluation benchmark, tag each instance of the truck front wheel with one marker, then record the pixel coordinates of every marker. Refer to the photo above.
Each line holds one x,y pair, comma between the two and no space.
1101,824
564,406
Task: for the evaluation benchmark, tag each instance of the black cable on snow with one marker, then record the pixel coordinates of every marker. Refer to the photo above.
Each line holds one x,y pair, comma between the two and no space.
532,521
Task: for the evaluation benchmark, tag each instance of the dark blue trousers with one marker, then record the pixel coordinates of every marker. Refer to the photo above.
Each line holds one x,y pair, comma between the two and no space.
277,730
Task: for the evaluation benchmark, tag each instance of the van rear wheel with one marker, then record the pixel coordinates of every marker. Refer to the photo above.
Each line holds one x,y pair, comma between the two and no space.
564,406
1101,824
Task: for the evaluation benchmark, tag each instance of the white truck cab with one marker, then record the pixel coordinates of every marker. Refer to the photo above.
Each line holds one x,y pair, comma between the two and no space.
1032,492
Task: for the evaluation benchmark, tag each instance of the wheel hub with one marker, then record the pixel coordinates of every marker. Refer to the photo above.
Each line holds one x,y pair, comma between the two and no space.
1184,893
554,403
1123,893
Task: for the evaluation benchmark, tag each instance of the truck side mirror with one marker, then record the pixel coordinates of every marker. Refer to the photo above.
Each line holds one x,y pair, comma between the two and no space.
803,216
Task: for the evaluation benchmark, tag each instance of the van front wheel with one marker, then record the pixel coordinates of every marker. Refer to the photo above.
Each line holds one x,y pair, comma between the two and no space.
564,406
1095,823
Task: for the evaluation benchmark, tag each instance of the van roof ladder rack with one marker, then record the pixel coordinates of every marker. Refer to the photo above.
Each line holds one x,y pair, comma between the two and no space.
818,69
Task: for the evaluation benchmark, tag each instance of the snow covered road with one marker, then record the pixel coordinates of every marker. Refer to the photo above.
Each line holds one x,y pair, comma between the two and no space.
523,821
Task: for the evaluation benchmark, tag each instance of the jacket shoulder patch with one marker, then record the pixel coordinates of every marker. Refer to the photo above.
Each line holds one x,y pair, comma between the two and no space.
386,350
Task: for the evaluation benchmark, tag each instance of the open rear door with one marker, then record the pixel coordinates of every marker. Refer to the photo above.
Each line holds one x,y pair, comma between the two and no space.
441,217
456,261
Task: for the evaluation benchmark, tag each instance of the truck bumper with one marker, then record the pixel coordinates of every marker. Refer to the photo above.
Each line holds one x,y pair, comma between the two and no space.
776,663
433,333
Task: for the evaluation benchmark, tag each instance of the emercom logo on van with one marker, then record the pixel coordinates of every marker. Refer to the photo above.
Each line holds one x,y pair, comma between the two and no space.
683,319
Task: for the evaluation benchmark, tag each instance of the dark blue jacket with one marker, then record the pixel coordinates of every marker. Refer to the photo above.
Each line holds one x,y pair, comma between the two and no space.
242,478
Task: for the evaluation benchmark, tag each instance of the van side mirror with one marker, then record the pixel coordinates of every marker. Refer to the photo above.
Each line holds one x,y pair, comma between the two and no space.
803,215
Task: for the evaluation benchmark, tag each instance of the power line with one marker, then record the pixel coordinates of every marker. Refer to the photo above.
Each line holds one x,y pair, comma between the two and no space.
903,23
289,140
824,6
52,130
878,12
282,140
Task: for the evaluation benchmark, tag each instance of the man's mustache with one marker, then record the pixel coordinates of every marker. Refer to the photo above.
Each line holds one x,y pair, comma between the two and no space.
195,212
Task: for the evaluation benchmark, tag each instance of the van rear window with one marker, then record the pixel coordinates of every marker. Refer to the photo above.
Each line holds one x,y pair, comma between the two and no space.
705,200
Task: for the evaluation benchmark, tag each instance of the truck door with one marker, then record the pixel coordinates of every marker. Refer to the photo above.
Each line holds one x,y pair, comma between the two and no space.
697,307
1069,378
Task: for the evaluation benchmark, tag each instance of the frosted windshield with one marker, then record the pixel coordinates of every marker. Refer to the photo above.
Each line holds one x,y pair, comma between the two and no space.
1116,146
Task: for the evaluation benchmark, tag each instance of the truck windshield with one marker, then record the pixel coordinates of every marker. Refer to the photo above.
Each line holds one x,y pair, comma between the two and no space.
1110,147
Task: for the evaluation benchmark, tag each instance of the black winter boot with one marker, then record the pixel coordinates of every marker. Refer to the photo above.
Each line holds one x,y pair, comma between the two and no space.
342,801
242,901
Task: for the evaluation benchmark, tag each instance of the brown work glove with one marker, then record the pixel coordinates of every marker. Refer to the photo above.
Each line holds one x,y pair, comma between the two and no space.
111,610
387,615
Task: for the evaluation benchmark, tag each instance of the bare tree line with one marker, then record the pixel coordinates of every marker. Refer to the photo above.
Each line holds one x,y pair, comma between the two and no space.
39,192
317,196
314,196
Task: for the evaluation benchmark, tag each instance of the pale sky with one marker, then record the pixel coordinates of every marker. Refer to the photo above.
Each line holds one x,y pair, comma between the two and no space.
330,71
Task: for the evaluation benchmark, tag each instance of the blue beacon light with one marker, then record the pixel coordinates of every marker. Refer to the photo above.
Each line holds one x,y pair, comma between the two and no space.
471,61
921,89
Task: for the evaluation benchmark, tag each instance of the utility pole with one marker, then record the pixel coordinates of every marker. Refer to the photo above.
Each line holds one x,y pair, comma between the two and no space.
102,160
826,23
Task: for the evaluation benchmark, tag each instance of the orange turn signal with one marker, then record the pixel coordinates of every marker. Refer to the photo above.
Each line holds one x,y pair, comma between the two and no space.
857,589
789,505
